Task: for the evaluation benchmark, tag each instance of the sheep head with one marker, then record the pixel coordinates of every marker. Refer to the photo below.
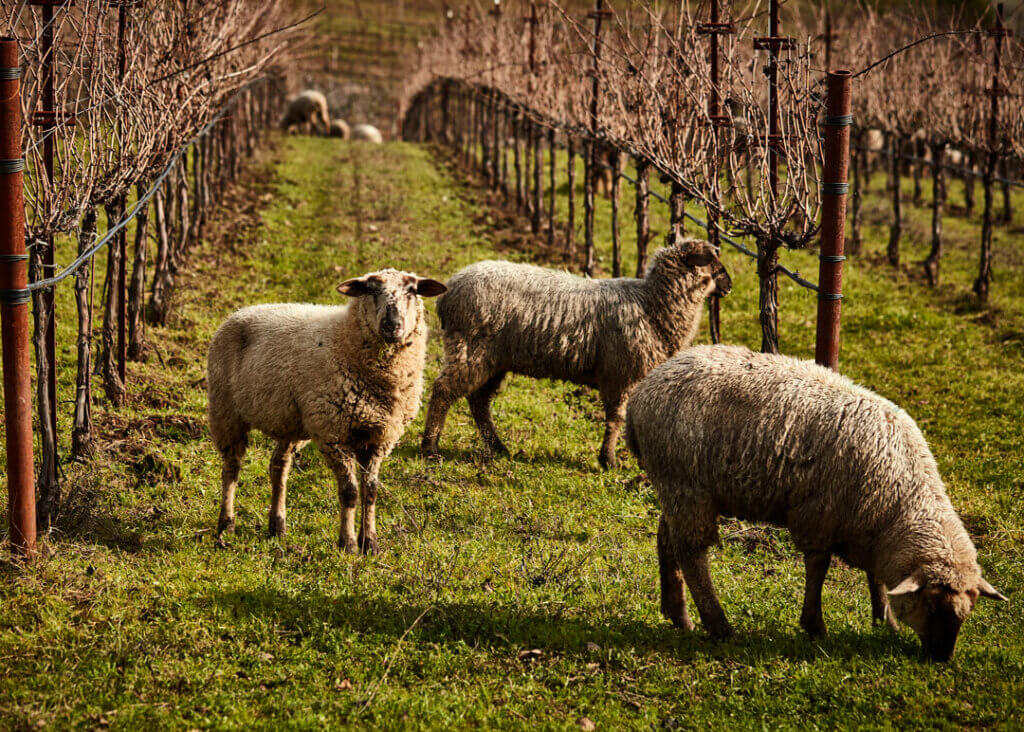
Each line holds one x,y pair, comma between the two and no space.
936,609
388,302
691,258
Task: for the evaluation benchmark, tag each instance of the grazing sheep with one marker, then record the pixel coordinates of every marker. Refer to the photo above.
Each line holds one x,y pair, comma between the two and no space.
500,317
347,377
723,430
339,128
367,133
307,109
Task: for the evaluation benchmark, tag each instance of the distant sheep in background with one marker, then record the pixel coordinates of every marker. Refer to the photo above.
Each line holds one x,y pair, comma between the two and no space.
347,377
367,133
721,430
308,109
501,317
339,128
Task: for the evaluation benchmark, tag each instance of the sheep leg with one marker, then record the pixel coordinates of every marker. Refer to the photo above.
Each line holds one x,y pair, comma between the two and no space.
614,418
480,408
343,464
370,462
232,465
880,610
448,388
816,567
280,466
698,577
673,599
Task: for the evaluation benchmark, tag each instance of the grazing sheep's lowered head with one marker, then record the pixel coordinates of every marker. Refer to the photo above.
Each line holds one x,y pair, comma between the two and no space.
388,303
339,128
935,600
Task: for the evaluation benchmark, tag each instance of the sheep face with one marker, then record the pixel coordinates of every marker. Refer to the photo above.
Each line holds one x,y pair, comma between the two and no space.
700,257
935,611
388,302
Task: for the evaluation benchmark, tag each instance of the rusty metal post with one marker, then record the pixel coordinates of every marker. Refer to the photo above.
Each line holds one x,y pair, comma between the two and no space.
768,247
714,29
833,216
592,148
17,366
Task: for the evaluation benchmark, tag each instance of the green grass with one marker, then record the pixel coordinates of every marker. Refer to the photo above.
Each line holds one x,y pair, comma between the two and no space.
131,617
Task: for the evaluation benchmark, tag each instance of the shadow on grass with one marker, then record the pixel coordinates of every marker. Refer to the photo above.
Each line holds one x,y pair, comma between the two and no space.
481,457
512,628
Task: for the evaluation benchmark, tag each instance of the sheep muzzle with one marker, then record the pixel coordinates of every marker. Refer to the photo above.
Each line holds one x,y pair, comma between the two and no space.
723,282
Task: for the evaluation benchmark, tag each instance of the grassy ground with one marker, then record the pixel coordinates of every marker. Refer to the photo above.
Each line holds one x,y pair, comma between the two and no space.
509,592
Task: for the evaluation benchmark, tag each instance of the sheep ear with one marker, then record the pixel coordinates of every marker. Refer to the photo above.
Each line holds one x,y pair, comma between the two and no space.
990,592
907,586
430,288
699,259
354,287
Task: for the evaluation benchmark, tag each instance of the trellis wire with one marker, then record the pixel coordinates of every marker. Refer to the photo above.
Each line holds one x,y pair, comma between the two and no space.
130,215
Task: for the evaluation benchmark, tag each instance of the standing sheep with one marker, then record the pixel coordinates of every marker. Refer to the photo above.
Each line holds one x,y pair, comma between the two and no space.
347,377
721,430
500,317
367,133
308,108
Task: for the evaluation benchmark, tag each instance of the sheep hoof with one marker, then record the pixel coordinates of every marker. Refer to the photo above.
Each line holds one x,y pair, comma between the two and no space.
277,526
814,627
720,629
498,449
348,545
678,617
368,544
225,526
607,461
428,449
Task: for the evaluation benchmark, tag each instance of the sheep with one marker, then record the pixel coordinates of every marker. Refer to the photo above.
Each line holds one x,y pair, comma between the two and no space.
339,128
348,378
367,133
723,430
499,317
308,108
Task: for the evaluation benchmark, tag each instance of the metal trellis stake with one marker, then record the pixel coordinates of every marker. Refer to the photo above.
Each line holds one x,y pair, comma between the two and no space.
833,216
592,147
714,29
14,309
768,248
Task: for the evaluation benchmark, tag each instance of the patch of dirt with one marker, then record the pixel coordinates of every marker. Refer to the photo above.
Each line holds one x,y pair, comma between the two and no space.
113,430
756,539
